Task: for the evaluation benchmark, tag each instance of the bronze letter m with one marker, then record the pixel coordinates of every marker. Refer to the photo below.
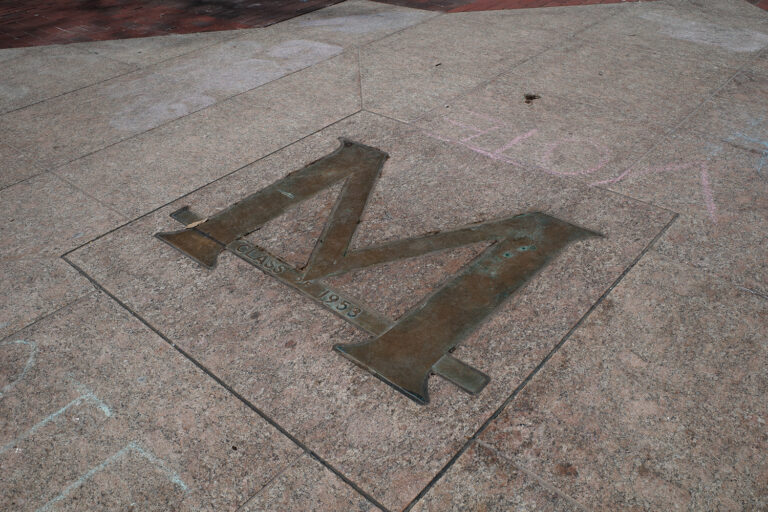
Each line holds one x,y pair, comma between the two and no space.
403,353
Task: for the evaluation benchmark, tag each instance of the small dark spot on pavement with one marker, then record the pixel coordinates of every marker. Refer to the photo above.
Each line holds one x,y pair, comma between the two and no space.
529,97
566,469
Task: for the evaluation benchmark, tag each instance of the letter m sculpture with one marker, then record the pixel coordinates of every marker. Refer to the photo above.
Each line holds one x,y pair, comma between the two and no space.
403,353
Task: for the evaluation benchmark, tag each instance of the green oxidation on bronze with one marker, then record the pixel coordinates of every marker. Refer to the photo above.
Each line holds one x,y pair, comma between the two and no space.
404,353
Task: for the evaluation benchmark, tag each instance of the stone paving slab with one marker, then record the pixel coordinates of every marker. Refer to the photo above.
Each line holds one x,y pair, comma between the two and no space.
483,479
145,51
154,168
638,84
658,401
35,287
406,75
626,375
17,166
74,125
736,114
99,410
350,23
308,486
53,71
45,216
722,201
727,8
548,133
684,32
274,347
12,53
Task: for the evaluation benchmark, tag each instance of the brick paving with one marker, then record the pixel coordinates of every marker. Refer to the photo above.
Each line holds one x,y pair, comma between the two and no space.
25,24
71,21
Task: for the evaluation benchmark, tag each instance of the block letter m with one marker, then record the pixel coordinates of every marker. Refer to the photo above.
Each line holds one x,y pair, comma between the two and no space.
406,352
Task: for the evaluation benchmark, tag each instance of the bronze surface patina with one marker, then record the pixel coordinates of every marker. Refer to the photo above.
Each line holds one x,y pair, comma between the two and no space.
404,353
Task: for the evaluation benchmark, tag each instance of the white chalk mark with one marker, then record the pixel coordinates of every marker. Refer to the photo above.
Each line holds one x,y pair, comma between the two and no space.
29,364
496,154
365,23
763,143
88,396
168,472
709,199
85,392
733,39
476,149
130,447
478,131
550,150
652,170
761,163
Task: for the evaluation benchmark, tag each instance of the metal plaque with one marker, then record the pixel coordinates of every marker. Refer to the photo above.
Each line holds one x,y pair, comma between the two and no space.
404,353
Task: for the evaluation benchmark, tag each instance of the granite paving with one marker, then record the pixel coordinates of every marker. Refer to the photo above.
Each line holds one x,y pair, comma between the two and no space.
629,372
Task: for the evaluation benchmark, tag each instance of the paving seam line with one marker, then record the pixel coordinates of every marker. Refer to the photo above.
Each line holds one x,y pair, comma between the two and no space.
41,318
138,67
541,364
223,176
345,50
270,481
542,482
513,66
228,388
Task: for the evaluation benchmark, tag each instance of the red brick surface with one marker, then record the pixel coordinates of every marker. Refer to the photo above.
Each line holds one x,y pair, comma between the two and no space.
70,21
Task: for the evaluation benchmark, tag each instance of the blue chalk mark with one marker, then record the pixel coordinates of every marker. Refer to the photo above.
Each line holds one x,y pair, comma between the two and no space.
29,364
88,396
172,475
752,139
132,446
87,393
764,156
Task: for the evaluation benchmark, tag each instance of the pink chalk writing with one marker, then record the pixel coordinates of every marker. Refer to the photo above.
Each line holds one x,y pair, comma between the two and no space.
700,166
547,160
